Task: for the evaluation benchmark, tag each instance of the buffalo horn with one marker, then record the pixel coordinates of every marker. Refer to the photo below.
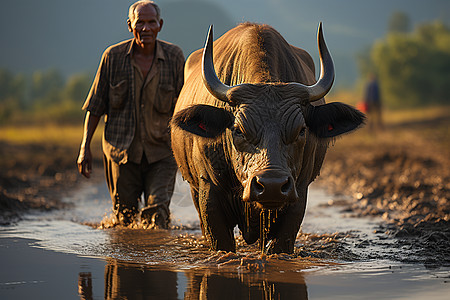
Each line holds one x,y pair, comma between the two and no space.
326,79
210,79
316,91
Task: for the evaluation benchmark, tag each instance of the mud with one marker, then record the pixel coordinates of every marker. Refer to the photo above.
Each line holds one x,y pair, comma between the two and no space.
400,174
35,177
353,262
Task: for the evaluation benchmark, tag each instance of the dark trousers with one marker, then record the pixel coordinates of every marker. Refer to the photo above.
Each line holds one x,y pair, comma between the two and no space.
127,182
374,117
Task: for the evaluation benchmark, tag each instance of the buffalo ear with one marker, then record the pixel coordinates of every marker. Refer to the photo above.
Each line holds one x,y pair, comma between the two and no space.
333,119
203,120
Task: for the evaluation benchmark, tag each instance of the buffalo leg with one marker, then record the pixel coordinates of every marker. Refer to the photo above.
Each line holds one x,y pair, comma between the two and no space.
286,231
195,199
214,223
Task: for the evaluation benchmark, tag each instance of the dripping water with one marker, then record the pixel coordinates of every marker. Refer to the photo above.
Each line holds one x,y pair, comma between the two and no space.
267,218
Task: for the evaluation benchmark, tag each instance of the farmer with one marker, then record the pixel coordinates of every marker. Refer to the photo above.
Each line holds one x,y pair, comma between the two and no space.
372,101
136,88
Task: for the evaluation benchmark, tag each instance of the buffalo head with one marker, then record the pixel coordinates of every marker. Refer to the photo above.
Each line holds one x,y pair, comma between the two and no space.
271,129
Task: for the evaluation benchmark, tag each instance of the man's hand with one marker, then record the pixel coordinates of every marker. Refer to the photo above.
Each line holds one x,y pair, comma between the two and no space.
84,162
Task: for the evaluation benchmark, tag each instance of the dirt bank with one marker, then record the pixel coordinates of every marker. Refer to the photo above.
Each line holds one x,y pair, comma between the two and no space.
34,176
402,174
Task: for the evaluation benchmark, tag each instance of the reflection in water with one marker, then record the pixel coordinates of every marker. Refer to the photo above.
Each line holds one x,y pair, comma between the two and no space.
150,273
162,247
85,285
137,281
238,286
135,263
125,281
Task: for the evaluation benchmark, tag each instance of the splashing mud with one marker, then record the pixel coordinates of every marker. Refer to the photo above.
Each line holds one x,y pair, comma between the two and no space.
330,246
353,239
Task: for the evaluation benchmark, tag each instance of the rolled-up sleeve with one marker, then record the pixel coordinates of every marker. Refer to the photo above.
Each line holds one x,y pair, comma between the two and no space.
97,99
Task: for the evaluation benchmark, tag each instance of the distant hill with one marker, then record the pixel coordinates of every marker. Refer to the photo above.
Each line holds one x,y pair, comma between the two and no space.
71,35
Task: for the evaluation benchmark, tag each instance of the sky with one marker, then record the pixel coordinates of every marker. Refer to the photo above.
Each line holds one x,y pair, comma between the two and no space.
71,35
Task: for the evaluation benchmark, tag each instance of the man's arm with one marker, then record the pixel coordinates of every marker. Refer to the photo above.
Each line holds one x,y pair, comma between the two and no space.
84,161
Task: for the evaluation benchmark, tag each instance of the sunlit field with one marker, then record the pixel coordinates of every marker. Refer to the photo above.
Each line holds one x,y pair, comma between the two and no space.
54,134
420,119
421,124
57,134
398,175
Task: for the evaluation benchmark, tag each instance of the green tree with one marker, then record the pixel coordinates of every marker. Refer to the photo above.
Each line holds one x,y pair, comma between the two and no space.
72,98
77,88
12,86
46,88
413,69
12,94
45,96
399,22
365,63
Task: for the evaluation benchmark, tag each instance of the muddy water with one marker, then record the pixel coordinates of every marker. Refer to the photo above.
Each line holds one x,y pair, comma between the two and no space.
58,256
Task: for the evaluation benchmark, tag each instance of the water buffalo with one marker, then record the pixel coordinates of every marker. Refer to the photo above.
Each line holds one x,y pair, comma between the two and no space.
251,142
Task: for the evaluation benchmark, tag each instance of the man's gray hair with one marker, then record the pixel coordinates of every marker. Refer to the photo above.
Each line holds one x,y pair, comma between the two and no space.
133,7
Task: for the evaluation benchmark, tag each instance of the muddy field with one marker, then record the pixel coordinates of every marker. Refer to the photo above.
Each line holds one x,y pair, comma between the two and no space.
400,173
34,176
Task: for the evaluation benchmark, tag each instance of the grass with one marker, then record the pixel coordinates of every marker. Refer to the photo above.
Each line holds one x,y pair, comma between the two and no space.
417,114
427,129
45,144
392,117
56,134
429,124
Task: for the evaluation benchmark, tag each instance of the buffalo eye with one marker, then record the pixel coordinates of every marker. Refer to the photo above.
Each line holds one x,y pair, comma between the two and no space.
241,141
295,135
237,130
302,132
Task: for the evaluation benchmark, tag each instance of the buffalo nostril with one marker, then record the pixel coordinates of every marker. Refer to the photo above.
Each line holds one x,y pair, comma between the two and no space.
271,189
258,186
287,186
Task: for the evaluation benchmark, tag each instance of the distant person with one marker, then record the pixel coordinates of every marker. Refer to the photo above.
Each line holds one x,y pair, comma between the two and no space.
136,88
372,100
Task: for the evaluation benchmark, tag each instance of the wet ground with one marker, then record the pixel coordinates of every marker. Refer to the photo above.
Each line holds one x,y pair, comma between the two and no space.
377,226
402,176
60,255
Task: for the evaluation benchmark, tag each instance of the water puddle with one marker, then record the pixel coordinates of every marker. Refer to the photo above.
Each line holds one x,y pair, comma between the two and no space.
336,256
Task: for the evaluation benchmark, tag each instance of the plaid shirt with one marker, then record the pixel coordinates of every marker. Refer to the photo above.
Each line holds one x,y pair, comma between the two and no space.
113,94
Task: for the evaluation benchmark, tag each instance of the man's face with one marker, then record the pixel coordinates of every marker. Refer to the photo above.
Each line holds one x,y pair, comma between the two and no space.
145,25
